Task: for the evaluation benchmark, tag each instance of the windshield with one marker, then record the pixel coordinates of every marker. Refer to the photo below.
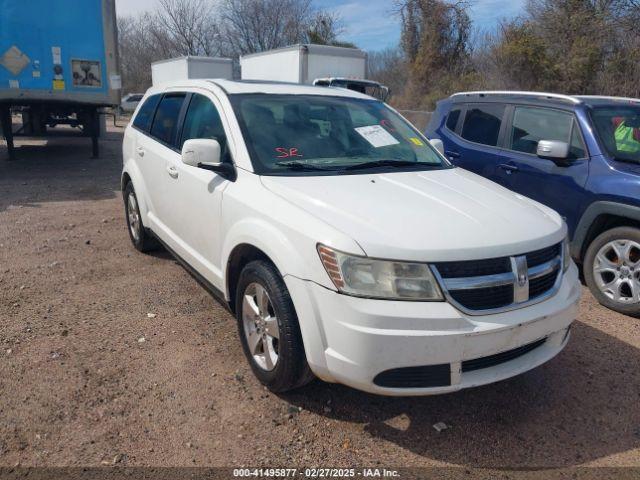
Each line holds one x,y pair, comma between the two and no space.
293,134
619,131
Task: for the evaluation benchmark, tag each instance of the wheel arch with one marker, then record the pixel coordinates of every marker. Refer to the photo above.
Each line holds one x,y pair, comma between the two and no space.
598,218
132,175
256,238
241,255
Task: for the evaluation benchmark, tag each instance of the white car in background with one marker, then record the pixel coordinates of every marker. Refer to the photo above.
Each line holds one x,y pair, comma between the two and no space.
130,102
344,243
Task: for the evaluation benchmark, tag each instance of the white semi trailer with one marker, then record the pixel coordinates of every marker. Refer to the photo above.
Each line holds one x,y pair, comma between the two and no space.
313,65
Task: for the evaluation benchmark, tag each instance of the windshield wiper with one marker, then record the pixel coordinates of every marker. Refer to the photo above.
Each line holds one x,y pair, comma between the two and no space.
302,166
389,163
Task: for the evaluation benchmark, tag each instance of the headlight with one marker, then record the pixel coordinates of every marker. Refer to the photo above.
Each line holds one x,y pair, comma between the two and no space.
566,254
367,277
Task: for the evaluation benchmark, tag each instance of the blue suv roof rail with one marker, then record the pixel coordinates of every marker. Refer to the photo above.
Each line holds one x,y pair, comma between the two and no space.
507,93
605,97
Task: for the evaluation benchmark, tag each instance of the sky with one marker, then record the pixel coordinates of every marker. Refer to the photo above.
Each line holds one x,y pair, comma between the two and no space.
370,24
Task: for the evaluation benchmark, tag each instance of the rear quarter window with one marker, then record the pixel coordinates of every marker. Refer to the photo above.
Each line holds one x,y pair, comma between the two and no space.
145,113
452,119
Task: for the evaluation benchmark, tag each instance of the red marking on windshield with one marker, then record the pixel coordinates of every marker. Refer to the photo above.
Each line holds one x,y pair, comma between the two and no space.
287,152
387,124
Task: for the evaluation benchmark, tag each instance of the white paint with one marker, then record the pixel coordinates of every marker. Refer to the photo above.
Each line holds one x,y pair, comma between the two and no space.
190,68
431,216
304,63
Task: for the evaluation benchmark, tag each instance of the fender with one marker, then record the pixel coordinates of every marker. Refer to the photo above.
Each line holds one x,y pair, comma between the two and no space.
275,244
140,188
592,212
293,267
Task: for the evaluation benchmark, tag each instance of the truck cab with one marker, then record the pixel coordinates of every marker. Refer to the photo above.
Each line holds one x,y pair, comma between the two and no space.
579,155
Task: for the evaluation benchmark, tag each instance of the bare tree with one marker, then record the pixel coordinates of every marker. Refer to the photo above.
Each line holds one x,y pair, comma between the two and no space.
189,26
390,68
250,26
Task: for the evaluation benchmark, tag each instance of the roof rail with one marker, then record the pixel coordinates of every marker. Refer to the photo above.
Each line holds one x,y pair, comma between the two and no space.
567,98
605,97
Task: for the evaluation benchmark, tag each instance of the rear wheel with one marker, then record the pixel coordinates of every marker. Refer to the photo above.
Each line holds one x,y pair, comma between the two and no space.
139,235
612,269
269,329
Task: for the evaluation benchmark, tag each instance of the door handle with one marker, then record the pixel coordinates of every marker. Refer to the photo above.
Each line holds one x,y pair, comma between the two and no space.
140,151
452,154
509,169
172,171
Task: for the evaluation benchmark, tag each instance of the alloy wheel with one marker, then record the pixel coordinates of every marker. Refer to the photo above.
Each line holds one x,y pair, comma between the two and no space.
134,217
616,270
260,326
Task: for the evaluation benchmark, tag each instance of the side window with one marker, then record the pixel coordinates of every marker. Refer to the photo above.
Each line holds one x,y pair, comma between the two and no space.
203,121
452,119
145,114
165,122
530,125
482,124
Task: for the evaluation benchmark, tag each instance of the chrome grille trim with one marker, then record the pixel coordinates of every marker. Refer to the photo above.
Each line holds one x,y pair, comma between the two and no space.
519,278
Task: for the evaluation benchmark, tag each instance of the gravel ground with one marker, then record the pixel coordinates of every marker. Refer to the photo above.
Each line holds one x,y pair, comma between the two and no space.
111,357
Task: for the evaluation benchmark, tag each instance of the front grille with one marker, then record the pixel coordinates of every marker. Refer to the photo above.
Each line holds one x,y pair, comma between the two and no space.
474,268
497,284
543,256
498,358
484,298
415,377
540,285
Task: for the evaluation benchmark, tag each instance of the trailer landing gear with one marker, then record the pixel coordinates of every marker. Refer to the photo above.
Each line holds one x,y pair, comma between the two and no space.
7,130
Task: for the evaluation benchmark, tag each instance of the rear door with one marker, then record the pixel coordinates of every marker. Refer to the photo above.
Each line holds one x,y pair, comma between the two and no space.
157,153
474,133
559,187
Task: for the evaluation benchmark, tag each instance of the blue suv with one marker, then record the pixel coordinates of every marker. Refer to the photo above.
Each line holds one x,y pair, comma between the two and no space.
578,155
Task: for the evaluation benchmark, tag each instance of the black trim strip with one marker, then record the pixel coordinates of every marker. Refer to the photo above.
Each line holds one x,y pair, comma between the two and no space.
204,283
499,358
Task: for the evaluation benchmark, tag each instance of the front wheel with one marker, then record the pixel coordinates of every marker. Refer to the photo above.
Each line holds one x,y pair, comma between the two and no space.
269,329
612,269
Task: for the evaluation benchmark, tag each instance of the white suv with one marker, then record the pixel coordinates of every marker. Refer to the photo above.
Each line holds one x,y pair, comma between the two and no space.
345,244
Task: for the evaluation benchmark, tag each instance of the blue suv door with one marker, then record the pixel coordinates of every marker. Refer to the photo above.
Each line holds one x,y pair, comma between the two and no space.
471,136
557,184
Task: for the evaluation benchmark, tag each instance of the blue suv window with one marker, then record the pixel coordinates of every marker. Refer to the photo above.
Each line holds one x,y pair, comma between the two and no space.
452,119
482,124
530,125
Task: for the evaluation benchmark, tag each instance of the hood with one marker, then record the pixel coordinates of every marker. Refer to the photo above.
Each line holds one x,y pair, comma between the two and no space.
436,215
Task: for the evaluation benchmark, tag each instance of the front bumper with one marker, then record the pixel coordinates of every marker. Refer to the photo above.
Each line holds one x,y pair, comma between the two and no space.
352,340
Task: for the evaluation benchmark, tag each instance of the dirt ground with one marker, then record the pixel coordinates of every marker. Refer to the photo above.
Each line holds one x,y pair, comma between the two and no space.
112,357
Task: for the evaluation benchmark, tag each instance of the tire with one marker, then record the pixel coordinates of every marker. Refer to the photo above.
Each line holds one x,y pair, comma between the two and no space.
270,325
140,236
612,269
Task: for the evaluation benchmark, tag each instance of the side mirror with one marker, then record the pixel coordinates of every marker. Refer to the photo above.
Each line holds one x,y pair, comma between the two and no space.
437,144
205,153
553,150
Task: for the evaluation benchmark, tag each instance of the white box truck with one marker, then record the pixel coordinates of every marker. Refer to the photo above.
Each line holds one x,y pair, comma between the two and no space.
304,63
183,68
313,65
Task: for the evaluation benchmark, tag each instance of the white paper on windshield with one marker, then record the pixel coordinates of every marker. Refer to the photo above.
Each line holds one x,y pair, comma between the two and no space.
377,136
